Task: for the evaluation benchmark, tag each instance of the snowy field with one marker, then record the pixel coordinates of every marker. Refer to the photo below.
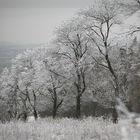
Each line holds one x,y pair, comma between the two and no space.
70,129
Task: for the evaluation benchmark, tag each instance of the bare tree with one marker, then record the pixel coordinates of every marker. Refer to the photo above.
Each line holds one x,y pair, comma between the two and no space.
100,20
55,82
55,97
74,48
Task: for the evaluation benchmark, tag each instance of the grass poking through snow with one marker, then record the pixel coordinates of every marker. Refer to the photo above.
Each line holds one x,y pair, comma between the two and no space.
62,129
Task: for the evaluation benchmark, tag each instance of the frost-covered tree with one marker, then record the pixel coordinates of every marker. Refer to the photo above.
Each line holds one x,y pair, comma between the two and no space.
27,64
90,60
22,83
134,76
52,73
74,47
101,18
9,92
34,73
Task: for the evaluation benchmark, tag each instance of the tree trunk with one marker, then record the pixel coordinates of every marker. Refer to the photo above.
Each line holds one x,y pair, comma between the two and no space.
78,106
25,116
55,106
54,111
35,114
34,107
114,115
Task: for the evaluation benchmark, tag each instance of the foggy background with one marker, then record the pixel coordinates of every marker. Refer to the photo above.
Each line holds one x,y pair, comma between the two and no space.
31,23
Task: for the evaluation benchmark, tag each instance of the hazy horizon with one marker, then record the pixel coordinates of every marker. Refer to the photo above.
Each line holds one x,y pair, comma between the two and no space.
34,21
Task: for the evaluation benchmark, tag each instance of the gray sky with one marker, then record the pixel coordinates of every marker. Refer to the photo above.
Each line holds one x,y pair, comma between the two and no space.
31,25
33,21
44,3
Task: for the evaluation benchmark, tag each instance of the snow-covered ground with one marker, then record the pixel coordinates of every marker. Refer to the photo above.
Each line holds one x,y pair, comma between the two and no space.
70,129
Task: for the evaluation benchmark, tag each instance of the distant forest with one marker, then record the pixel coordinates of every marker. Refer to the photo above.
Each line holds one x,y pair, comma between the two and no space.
8,51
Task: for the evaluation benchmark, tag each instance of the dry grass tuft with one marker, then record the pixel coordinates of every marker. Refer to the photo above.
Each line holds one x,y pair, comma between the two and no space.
62,129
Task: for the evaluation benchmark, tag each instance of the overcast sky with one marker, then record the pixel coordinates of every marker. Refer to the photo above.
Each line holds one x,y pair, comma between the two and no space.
33,21
44,3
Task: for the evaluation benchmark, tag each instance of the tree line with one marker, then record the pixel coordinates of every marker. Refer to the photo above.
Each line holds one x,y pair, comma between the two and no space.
90,59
